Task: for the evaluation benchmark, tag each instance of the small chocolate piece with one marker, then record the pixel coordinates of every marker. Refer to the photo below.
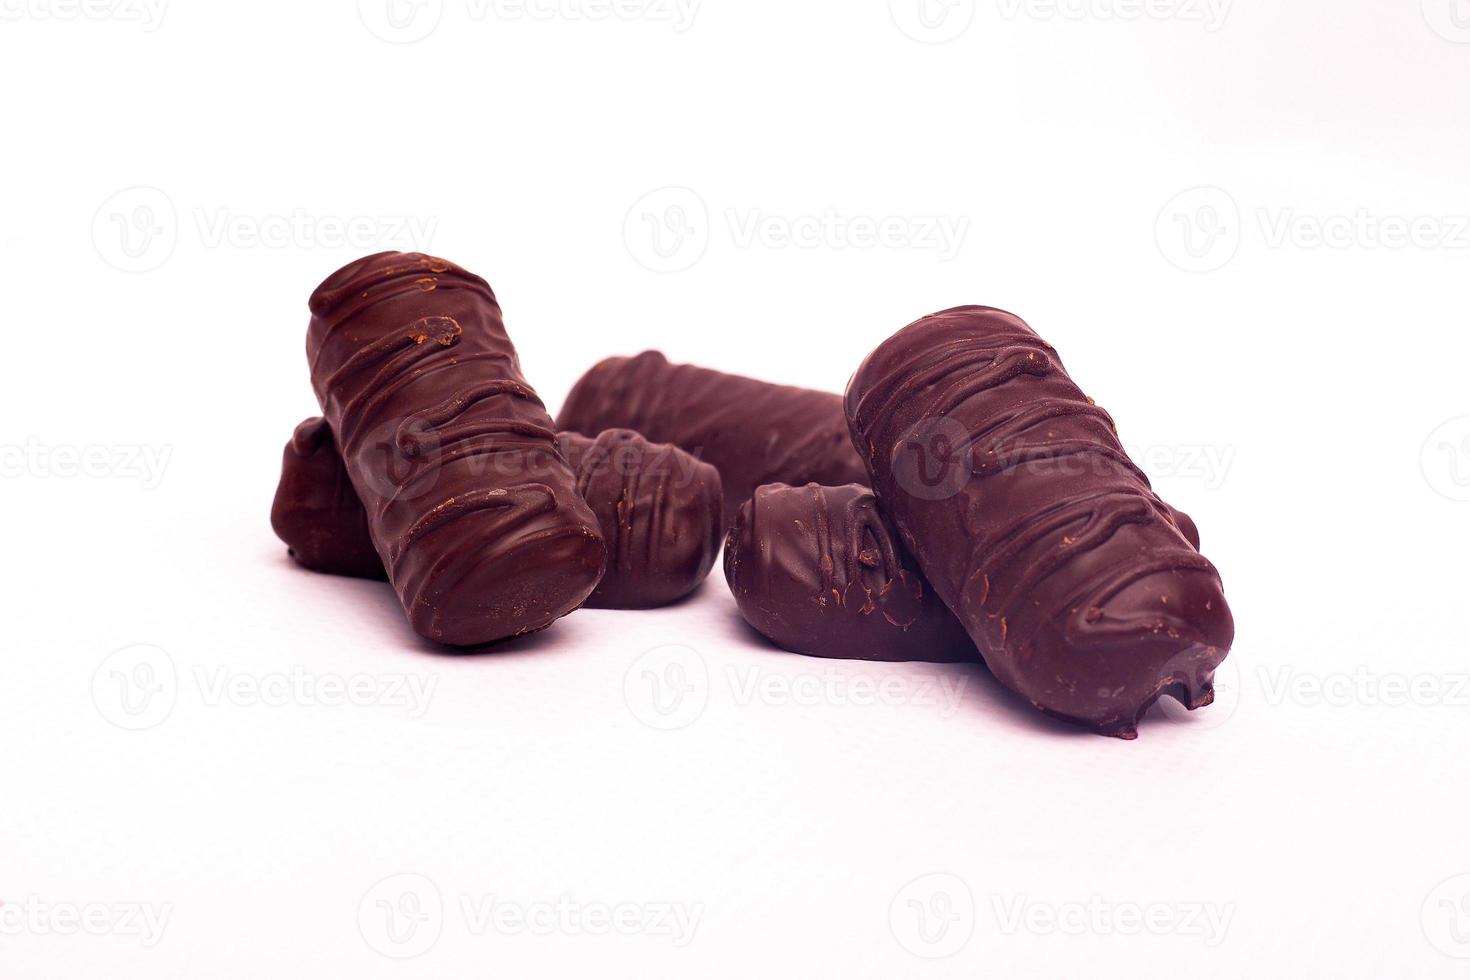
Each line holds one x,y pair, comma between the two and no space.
1012,492
471,508
659,509
817,571
317,512
753,432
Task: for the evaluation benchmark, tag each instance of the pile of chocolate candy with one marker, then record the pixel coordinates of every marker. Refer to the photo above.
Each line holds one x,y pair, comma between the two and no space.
965,502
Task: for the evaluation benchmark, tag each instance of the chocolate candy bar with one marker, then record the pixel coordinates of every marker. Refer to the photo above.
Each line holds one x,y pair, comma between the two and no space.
473,512
317,512
1012,492
754,433
817,571
659,509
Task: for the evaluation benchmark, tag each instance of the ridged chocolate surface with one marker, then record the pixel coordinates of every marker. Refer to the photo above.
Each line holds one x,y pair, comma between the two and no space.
818,571
753,432
473,512
659,509
1012,492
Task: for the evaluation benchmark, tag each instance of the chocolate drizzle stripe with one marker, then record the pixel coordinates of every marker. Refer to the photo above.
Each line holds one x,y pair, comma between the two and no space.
457,508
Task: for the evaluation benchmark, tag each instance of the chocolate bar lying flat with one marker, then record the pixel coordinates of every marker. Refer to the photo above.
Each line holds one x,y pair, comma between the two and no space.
659,509
817,571
1012,492
660,513
474,514
753,432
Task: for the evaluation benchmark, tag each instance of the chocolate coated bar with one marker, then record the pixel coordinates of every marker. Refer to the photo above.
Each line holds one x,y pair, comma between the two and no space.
471,509
1012,492
817,571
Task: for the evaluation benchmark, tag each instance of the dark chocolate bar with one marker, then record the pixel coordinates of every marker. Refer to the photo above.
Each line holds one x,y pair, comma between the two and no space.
818,571
1012,492
753,432
659,509
473,512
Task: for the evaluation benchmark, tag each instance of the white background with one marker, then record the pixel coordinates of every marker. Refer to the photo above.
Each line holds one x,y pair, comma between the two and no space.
1203,206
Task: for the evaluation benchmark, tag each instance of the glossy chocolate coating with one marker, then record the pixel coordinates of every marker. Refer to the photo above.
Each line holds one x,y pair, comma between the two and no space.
659,509
1012,492
473,512
317,512
818,571
753,432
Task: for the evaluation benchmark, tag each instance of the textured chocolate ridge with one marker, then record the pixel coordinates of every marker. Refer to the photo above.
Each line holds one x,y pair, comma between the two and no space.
470,507
1012,492
753,432
818,571
658,507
